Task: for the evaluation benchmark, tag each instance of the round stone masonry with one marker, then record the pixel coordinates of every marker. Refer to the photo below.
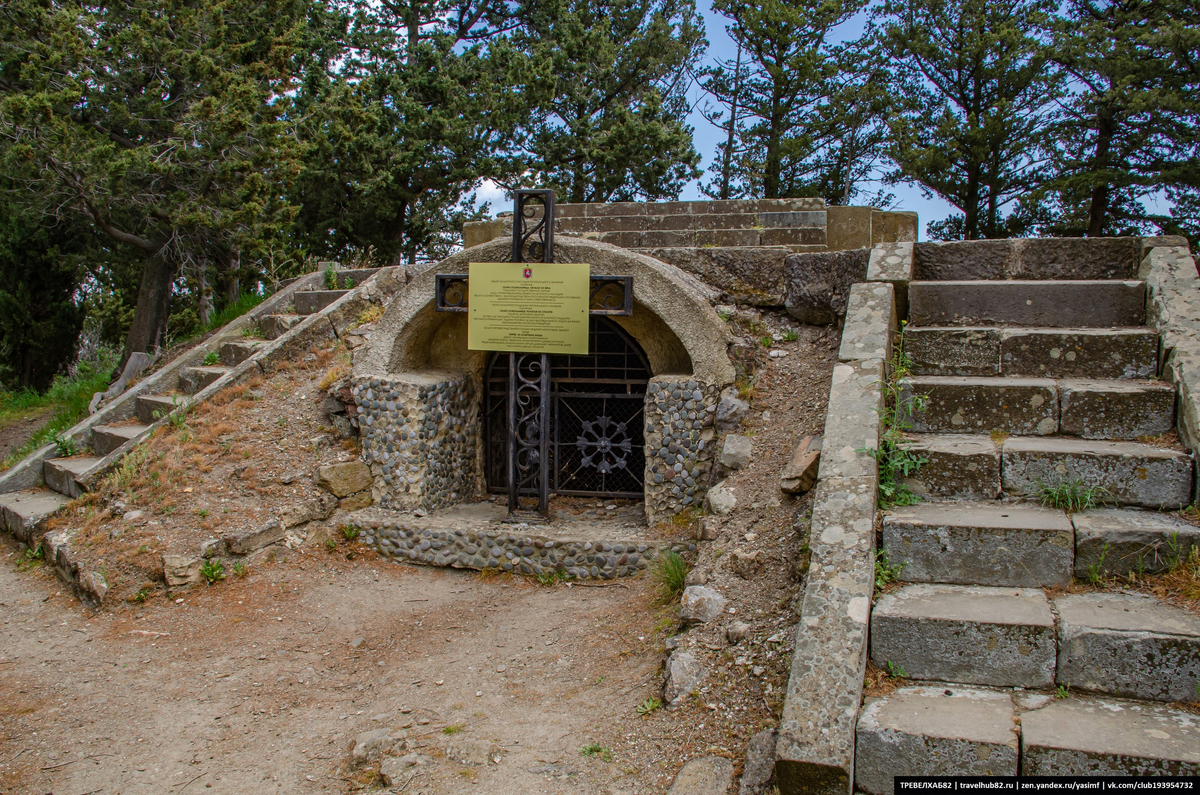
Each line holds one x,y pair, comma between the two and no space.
680,443
512,552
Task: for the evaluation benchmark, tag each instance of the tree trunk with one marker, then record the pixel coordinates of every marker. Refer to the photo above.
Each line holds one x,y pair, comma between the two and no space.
731,141
1101,190
153,307
204,304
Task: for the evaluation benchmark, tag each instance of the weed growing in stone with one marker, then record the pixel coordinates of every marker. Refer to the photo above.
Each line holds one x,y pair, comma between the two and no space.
252,331
790,335
212,570
239,569
896,462
552,578
766,340
670,572
140,595
1095,575
330,544
32,556
350,532
1062,691
368,315
648,706
592,750
885,572
331,280
65,446
895,671
211,358
452,729
1072,496
998,436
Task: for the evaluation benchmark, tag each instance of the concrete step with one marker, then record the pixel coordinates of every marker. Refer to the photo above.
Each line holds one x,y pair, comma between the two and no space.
981,544
1115,542
971,404
310,302
957,466
106,438
1049,304
1128,645
60,473
1001,637
1130,353
935,731
22,511
234,353
1091,409
1116,409
1132,473
1109,737
152,408
193,379
275,326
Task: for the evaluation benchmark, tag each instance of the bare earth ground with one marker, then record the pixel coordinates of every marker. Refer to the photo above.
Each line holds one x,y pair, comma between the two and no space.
16,431
260,684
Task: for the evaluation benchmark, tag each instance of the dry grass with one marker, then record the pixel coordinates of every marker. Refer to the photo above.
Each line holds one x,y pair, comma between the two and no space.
878,683
335,374
1169,440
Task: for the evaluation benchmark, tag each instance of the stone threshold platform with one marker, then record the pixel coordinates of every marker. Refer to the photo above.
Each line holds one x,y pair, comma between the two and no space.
473,537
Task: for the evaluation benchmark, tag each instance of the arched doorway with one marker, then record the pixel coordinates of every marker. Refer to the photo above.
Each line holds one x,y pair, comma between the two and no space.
596,418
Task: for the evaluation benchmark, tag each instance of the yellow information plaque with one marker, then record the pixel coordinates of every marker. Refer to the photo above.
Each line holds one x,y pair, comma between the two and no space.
529,307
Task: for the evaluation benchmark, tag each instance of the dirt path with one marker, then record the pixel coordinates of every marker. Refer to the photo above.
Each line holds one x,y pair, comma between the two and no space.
16,431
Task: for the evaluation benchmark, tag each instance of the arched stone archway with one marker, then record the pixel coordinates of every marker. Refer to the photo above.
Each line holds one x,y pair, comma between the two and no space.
420,389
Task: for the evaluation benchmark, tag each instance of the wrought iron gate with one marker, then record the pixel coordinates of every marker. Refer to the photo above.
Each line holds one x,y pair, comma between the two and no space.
594,426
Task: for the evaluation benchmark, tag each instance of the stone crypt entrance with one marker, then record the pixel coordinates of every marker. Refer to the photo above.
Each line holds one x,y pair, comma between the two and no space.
596,441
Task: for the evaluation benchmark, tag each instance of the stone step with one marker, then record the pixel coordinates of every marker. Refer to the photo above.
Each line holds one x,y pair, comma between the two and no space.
194,379
1129,645
957,466
60,473
234,353
106,438
1048,304
981,544
1119,354
1107,737
310,302
935,731
275,326
151,408
22,511
1115,542
1132,473
1091,409
1001,637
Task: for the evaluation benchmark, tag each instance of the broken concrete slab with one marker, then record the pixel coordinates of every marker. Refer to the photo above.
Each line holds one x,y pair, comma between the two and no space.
1079,353
935,731
981,544
1132,473
973,404
23,511
957,466
244,542
953,351
1109,737
1002,637
1129,645
63,474
1090,304
1116,409
800,474
1114,542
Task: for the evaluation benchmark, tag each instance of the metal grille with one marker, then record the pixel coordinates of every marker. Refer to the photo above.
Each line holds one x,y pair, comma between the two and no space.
596,423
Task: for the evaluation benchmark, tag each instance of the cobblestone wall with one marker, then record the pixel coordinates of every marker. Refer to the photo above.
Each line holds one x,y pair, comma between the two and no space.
680,444
421,439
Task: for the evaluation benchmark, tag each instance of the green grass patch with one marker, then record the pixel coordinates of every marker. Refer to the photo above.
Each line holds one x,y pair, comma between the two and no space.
670,572
244,304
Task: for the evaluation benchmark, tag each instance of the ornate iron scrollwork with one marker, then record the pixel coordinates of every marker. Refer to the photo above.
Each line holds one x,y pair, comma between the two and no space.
601,442
452,292
529,429
533,233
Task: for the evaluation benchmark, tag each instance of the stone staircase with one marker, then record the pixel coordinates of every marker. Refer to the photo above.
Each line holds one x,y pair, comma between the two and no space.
42,484
1034,383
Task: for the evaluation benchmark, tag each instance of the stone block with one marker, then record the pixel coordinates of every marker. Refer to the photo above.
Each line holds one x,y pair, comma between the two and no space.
731,410
804,236
275,326
852,420
476,233
957,467
934,731
1076,258
1079,353
721,499
1116,409
243,542
310,302
64,475
794,219
848,228
344,479
181,570
666,239
735,451
889,226
971,404
152,408
753,276
195,379
818,284
1173,287
892,263
961,260
681,677
1129,645
106,438
356,502
729,237
953,351
700,605
23,511
1027,303
1132,473
470,751
1111,542
799,475
759,768
981,544
1002,637
708,775
870,322
815,751
234,353
1109,737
